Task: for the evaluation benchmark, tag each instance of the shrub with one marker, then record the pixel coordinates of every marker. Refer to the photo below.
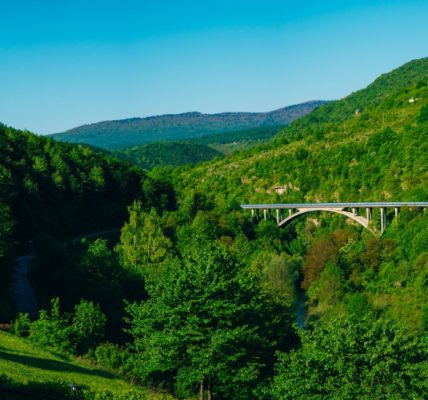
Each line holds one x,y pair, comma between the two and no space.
21,325
53,329
111,355
88,325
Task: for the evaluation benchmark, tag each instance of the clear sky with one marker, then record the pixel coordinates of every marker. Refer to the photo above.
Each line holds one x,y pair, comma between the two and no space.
64,63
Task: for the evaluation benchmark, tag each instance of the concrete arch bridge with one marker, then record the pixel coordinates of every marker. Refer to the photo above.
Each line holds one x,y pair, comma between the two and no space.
362,213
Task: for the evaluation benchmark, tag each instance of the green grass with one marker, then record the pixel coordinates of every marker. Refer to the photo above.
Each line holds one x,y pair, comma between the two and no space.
23,362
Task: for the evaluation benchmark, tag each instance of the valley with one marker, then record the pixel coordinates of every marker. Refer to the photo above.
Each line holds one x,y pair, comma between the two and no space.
192,296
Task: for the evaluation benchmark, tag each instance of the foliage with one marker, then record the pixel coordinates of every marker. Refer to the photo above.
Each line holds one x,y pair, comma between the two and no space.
61,190
208,320
423,115
195,150
7,251
209,317
88,324
64,332
111,356
88,270
52,329
21,325
238,138
354,359
369,146
36,390
150,155
143,245
281,272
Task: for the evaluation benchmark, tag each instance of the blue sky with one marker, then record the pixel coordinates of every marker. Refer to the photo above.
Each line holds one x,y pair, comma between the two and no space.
69,62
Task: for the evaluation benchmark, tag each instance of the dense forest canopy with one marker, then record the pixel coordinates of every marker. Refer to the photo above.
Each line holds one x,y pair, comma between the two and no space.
152,155
192,151
209,294
63,191
369,146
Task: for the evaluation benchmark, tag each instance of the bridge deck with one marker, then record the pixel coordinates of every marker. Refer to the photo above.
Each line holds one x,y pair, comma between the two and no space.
397,204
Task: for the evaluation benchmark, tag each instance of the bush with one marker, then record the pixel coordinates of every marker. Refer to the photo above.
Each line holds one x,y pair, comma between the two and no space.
128,395
53,329
88,325
111,355
21,325
64,332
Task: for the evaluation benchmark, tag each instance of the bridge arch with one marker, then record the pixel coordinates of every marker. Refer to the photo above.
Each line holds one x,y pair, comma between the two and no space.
357,218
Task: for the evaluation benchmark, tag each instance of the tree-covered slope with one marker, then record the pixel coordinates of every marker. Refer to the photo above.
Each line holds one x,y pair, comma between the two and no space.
364,296
62,190
333,154
151,155
136,131
369,146
195,150
209,293
230,142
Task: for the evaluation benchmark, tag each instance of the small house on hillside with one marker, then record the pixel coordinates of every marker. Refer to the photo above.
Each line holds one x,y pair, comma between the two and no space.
279,189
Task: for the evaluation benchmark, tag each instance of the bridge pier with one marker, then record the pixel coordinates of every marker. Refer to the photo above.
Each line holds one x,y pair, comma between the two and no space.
396,211
265,214
277,216
369,216
382,220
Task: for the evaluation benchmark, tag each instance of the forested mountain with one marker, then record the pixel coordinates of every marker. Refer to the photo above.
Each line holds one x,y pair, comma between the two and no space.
136,131
369,146
362,291
63,190
211,296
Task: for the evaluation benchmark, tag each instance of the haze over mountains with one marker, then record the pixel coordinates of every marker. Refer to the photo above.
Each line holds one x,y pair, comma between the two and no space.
135,131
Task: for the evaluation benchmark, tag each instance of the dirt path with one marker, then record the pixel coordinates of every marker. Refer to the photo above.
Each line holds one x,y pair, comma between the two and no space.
23,292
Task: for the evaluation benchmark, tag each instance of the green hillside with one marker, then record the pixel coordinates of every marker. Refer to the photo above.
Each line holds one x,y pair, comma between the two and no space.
177,127
195,150
23,364
61,190
198,297
151,155
369,146
337,154
230,142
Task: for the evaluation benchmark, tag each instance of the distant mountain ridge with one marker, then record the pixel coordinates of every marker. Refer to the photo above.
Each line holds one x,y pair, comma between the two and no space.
129,132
